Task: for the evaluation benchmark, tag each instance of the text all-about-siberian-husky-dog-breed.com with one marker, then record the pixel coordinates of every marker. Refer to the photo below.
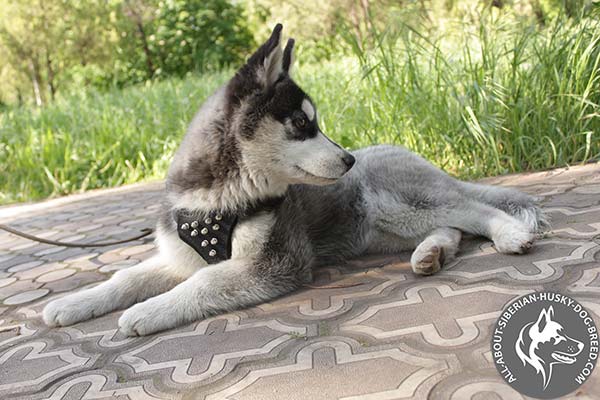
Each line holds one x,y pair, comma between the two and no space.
257,197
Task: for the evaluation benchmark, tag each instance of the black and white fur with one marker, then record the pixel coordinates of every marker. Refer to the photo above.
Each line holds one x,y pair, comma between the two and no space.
258,138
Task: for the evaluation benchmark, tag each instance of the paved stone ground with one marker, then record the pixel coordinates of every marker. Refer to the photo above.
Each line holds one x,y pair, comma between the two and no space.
393,335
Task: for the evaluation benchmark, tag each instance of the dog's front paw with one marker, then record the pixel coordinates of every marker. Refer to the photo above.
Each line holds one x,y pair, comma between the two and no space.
67,311
146,318
513,239
427,260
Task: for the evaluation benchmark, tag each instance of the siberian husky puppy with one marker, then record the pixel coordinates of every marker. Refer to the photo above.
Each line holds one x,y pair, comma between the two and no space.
257,197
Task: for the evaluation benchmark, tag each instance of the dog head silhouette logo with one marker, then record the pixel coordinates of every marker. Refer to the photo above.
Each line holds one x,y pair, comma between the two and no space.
545,345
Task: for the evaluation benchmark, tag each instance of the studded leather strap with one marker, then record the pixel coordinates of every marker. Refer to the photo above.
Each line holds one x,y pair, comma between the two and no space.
210,233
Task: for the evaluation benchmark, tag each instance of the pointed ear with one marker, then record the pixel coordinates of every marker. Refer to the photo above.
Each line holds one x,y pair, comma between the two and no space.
288,56
544,318
266,62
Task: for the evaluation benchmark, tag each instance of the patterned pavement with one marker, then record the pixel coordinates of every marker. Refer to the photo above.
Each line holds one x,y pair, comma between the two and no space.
374,331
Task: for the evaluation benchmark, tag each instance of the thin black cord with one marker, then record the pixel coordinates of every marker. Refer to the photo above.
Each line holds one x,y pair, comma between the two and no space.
145,232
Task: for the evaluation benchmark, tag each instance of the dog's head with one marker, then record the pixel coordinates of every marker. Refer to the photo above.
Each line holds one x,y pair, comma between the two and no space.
544,343
276,121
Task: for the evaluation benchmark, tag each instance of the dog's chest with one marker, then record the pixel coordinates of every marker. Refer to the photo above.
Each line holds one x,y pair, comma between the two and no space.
250,235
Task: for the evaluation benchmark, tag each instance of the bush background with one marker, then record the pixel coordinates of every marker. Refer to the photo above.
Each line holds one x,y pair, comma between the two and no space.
98,93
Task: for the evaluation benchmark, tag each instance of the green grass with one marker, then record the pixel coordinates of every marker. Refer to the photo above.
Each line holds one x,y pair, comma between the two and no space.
504,98
92,139
501,98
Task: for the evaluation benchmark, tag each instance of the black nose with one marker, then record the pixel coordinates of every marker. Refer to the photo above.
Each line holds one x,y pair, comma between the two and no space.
349,160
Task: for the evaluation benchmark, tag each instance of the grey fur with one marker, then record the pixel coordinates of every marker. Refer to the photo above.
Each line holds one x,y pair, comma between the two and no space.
250,142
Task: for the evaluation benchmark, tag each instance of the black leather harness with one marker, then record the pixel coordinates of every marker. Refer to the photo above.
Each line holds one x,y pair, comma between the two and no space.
210,233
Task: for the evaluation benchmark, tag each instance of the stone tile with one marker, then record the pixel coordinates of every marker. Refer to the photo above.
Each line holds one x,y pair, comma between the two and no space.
37,271
111,232
112,256
106,220
55,275
589,189
73,238
88,227
17,287
82,217
131,251
329,369
87,265
118,265
50,250
7,281
145,255
25,266
22,245
80,258
5,244
68,226
64,254
368,329
25,297
134,222
75,281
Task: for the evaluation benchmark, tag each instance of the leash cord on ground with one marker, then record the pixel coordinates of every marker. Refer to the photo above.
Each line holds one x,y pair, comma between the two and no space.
144,232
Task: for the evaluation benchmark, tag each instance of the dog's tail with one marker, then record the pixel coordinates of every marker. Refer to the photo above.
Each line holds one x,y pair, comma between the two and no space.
514,202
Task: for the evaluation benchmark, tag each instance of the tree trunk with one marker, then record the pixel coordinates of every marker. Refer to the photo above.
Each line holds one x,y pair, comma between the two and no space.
139,24
146,48
50,73
35,83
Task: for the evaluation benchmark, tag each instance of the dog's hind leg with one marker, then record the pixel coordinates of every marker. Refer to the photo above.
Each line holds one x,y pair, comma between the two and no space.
437,248
508,233
123,289
518,204
226,286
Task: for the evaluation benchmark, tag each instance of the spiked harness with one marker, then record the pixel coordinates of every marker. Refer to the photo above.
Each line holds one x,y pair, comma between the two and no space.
210,233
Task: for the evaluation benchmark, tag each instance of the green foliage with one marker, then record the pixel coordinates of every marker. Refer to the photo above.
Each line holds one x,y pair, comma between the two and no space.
177,37
52,47
503,97
317,25
475,88
200,33
45,43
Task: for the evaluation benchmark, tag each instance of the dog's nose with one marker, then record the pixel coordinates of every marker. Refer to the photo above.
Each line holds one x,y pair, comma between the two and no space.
349,160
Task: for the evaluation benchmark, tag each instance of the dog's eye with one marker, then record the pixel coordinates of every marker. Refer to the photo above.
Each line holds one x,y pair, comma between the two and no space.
300,122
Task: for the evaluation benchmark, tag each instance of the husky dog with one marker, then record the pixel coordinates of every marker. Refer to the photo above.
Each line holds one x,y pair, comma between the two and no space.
257,197
543,343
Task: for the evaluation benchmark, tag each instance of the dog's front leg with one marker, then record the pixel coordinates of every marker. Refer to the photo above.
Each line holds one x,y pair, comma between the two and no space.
123,289
222,287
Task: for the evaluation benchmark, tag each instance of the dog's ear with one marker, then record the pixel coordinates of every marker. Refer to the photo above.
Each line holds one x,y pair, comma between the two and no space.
266,62
260,72
288,57
544,318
